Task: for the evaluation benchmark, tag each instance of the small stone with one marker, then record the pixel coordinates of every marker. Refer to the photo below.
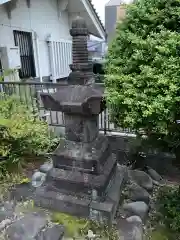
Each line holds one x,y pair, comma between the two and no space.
90,234
154,175
136,208
27,227
141,178
134,219
137,233
130,230
6,210
137,193
38,179
46,167
5,223
159,184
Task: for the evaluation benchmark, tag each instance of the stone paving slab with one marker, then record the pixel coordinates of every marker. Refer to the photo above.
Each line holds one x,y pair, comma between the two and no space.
16,225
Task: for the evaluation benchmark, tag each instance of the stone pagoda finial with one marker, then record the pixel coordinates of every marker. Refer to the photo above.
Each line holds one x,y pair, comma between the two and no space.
79,23
82,69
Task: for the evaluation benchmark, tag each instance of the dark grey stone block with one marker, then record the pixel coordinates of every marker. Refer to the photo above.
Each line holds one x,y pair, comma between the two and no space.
21,192
88,156
81,129
46,167
76,181
109,207
115,189
79,100
61,202
101,211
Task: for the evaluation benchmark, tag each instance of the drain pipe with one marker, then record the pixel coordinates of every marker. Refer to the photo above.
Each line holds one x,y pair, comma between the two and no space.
38,57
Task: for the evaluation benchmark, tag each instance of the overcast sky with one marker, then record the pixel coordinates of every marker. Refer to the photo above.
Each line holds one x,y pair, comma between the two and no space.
100,5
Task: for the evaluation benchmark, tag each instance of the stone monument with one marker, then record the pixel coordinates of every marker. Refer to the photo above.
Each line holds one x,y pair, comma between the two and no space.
84,179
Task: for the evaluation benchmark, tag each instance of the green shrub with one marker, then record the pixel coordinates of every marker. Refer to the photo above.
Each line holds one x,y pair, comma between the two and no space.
22,134
143,71
169,207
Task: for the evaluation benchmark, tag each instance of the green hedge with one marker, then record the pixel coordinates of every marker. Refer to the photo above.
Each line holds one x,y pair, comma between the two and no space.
22,134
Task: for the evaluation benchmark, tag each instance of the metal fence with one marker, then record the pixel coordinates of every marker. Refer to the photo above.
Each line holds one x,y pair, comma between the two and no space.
29,94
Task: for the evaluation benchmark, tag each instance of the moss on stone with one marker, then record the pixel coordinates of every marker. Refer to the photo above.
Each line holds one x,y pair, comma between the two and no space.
78,227
25,180
72,224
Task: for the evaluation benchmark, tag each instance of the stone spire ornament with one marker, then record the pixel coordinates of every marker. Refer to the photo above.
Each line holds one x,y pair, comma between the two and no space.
84,179
82,69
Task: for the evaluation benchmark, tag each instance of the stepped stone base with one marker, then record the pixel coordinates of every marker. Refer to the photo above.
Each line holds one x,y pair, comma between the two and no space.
99,210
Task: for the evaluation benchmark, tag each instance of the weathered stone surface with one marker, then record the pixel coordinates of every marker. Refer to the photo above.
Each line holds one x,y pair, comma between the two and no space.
86,157
107,209
79,100
23,191
137,193
141,178
46,167
38,179
81,129
5,223
136,208
55,232
98,210
155,176
130,230
61,202
101,211
27,227
134,219
76,181
159,184
6,210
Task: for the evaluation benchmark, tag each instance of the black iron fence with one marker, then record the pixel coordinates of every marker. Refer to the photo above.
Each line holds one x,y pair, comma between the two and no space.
29,93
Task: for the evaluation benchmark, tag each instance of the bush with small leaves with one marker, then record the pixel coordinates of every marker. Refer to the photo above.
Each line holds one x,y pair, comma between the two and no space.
169,202
22,134
143,72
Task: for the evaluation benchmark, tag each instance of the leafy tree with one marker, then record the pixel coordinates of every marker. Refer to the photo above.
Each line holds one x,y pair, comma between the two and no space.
143,71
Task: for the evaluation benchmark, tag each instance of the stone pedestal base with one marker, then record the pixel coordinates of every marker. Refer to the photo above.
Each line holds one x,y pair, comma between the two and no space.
83,207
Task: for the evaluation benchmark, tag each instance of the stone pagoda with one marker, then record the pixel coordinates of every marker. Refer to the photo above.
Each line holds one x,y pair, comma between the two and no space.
84,179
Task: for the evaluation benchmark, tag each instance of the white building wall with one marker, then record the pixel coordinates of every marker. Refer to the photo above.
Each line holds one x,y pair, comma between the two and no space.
43,19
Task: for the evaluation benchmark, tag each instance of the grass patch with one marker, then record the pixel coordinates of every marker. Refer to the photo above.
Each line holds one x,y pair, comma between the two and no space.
165,219
72,224
162,233
78,227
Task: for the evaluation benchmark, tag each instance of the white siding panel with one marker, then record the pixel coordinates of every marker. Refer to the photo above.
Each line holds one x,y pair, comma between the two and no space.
41,18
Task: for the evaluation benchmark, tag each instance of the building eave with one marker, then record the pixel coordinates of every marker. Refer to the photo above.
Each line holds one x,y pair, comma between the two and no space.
4,1
95,18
